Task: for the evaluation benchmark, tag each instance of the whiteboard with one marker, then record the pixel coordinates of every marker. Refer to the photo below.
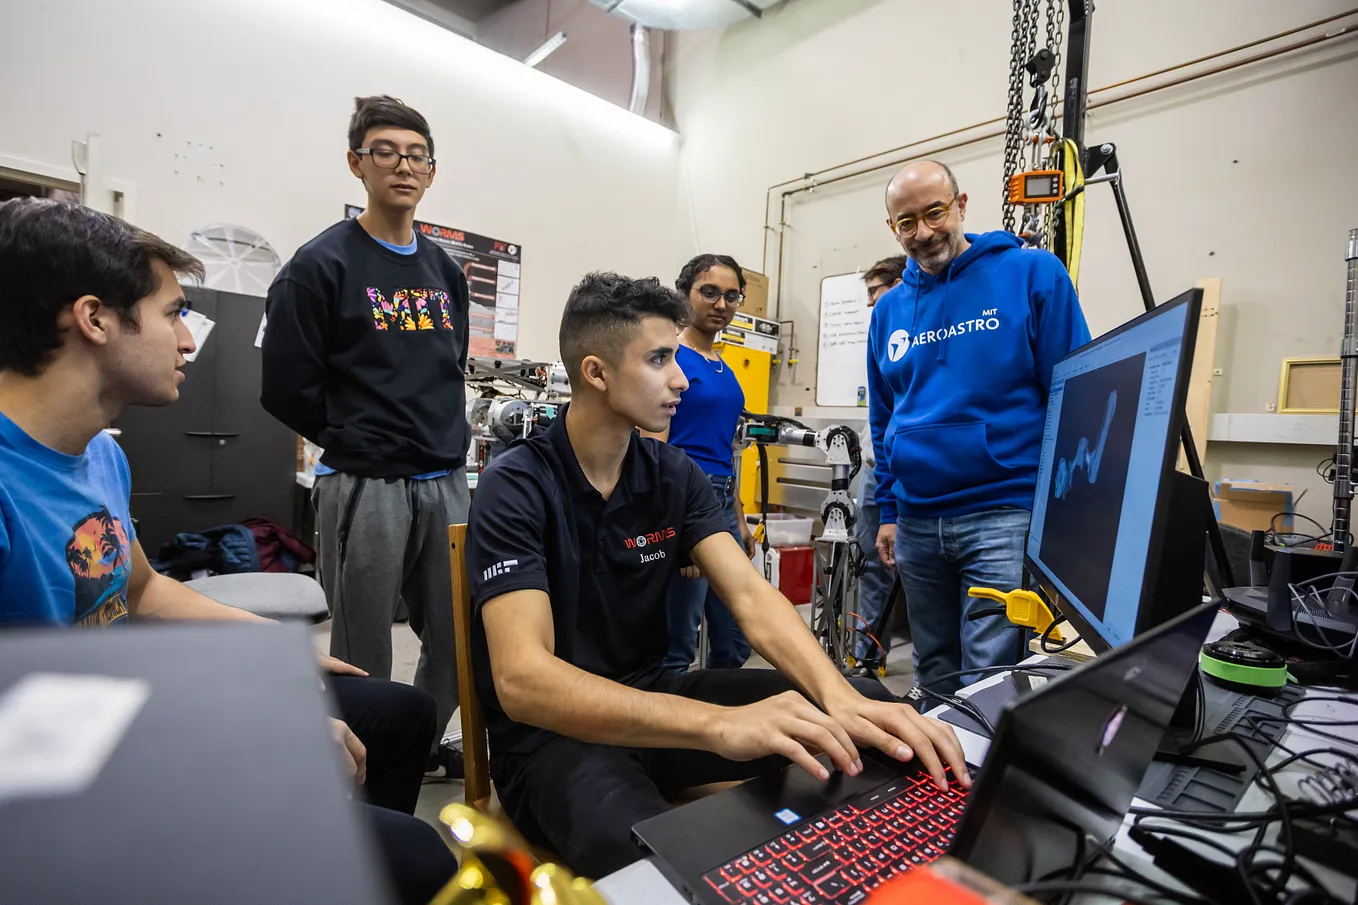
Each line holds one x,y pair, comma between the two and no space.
842,360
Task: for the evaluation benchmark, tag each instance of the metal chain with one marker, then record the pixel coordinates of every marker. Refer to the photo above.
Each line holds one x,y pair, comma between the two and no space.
1056,41
1023,38
1056,16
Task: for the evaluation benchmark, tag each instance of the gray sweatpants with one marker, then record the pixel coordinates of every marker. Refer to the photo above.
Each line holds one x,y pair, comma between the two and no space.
384,540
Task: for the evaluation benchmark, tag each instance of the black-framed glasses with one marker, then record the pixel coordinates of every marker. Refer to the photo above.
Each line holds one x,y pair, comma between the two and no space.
389,159
877,290
907,226
734,297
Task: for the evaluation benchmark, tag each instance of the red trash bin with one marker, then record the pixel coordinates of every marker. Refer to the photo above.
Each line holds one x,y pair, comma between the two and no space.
796,568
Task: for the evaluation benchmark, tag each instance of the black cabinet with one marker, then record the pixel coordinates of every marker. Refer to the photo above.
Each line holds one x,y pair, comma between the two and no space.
214,457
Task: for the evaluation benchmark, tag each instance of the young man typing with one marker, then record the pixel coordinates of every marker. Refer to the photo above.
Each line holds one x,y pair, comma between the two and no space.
93,321
574,538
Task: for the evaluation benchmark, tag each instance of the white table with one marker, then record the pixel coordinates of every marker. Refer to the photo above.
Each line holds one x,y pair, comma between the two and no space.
643,884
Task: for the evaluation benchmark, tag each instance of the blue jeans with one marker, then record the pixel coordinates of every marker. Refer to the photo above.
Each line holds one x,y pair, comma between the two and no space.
874,585
938,560
691,598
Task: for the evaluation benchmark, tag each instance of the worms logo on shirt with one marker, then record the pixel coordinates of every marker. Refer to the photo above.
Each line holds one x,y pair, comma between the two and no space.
642,541
655,537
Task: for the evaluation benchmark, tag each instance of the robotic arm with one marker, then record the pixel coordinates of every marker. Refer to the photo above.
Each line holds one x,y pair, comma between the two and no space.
842,453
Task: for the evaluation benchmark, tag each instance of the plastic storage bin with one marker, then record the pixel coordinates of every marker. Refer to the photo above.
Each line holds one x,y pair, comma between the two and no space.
786,530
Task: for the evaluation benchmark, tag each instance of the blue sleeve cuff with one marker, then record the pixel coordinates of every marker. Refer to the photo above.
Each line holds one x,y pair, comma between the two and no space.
887,514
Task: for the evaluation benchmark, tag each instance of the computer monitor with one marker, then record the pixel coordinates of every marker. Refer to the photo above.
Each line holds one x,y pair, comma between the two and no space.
1114,524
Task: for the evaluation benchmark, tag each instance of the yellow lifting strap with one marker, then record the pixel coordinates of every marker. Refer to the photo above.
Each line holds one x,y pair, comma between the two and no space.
1074,209
1022,607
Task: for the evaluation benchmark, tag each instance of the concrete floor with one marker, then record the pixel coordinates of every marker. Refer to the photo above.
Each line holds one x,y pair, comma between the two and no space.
406,653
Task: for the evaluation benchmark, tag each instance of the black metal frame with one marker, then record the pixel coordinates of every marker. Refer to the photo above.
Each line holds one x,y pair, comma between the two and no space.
1104,157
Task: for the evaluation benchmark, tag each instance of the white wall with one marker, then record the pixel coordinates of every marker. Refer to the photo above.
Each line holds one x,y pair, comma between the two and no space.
254,97
1249,175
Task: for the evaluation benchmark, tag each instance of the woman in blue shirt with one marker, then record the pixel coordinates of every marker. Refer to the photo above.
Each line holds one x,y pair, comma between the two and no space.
705,427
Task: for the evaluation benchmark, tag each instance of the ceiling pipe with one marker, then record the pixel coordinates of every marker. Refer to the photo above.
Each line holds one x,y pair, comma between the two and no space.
641,69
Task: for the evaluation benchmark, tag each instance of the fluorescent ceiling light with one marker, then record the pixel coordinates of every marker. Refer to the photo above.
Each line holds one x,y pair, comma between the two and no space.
546,49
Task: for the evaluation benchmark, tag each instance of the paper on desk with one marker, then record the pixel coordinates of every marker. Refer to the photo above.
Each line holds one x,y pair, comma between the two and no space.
200,325
57,731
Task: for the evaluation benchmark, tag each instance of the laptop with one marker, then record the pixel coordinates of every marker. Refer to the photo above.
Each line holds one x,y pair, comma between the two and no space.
206,771
1059,777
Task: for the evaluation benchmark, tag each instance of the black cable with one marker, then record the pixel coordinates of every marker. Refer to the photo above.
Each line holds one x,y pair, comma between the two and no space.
1325,532
1306,755
1326,470
962,705
1130,873
1243,860
1045,638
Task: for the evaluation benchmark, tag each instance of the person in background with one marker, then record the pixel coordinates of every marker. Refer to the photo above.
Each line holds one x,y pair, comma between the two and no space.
364,353
575,535
960,358
874,584
704,426
93,318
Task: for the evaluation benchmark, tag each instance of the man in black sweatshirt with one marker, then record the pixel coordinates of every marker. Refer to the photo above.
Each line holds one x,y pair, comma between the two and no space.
364,353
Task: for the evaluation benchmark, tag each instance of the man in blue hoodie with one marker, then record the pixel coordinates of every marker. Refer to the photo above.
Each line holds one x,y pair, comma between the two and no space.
960,358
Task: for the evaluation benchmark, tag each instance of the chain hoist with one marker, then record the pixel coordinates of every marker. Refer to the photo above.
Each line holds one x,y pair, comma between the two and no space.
1023,39
1031,140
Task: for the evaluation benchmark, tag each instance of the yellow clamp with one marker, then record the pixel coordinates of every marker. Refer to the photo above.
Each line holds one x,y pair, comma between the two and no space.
1022,607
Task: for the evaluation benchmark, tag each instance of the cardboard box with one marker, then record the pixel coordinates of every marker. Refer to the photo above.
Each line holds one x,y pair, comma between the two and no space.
756,294
1252,505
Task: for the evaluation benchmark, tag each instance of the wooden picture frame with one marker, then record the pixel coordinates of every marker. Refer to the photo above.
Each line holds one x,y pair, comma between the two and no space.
1310,386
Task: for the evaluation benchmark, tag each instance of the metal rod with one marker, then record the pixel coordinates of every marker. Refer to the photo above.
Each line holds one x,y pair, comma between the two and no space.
1343,452
1077,73
1143,280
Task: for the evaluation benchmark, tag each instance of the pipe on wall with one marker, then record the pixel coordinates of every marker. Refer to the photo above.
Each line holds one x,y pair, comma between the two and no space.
810,181
641,69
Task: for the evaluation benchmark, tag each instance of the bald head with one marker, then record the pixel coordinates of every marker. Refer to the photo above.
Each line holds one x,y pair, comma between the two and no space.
925,210
929,174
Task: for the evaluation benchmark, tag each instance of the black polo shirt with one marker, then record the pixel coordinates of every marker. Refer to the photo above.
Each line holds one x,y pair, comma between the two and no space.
537,523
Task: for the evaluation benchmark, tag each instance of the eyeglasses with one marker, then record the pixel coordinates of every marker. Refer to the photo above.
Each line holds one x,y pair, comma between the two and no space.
907,226
388,159
733,297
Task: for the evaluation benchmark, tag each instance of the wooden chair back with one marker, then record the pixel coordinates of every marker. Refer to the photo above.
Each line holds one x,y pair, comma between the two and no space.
475,750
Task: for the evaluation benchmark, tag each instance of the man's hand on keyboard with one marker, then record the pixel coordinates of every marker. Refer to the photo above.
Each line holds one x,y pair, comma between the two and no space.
786,724
900,732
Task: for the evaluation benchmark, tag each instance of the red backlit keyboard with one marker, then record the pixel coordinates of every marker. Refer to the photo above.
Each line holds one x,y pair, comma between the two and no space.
842,856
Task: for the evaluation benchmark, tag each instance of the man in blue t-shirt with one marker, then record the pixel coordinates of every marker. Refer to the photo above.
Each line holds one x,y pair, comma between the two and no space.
960,359
93,322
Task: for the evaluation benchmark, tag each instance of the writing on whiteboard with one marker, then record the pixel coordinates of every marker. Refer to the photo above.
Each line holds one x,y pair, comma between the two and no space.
841,368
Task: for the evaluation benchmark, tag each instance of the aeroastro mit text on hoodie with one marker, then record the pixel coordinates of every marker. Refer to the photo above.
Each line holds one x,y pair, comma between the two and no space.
959,366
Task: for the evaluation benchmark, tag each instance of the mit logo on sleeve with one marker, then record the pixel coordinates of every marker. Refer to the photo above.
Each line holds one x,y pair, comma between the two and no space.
499,568
505,542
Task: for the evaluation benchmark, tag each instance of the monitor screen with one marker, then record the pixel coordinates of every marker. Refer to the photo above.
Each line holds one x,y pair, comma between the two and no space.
1106,452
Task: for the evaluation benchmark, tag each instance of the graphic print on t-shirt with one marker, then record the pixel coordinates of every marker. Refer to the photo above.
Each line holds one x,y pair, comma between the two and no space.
100,559
410,309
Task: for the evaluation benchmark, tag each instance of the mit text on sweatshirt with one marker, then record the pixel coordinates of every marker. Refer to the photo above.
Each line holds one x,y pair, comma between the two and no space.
365,351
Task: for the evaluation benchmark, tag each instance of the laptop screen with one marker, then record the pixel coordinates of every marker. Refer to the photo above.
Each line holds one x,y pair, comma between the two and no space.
1067,758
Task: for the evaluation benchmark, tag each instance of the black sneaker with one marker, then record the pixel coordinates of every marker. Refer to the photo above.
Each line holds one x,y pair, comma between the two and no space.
445,764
